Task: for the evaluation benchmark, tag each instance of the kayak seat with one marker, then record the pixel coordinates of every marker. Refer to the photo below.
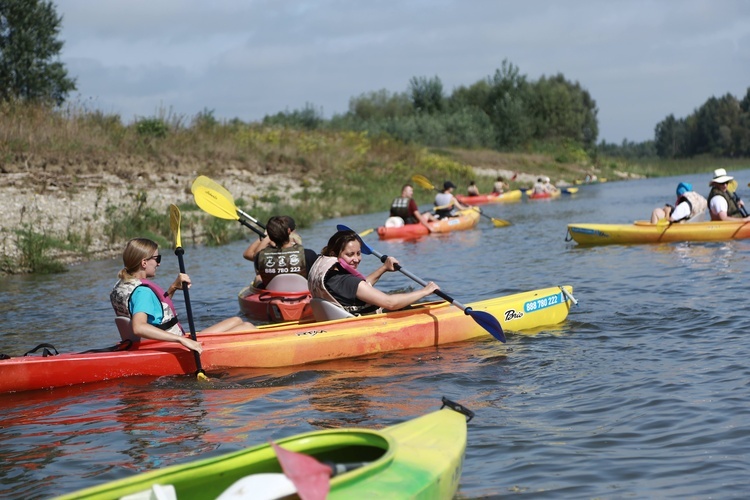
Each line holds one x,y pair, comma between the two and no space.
287,283
325,311
126,331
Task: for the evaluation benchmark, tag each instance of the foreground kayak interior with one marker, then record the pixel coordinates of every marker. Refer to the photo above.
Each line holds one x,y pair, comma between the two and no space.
292,343
419,458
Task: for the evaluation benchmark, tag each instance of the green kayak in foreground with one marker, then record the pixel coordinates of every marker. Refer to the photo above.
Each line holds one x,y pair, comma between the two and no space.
419,458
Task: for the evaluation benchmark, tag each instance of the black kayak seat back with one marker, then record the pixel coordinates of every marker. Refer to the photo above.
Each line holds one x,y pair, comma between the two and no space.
126,331
324,310
287,283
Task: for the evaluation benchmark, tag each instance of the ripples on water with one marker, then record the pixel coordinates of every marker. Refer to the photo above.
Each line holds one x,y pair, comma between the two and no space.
641,393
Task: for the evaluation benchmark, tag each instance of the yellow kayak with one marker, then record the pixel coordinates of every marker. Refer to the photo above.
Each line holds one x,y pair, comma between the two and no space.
646,232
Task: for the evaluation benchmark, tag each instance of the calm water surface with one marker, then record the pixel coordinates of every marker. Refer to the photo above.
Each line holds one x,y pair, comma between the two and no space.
642,393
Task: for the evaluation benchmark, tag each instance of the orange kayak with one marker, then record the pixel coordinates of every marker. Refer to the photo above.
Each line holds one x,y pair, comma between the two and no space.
293,343
466,219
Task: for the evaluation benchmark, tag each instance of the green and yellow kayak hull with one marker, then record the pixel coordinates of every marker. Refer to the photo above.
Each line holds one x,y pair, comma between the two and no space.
419,458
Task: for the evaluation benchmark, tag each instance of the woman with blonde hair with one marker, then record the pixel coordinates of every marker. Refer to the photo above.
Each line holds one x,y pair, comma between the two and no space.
150,309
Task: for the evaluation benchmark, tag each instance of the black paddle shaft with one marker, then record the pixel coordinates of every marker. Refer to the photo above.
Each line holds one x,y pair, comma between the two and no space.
422,282
179,252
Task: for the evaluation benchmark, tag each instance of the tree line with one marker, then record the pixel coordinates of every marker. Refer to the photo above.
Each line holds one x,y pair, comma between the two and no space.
720,128
505,111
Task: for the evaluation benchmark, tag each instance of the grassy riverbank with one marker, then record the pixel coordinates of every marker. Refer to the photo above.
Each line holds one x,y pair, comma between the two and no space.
84,184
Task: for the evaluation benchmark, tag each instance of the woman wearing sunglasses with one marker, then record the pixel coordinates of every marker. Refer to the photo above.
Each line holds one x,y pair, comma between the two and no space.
150,309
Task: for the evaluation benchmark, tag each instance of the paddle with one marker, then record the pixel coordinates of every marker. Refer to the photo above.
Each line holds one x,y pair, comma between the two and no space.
212,198
484,319
422,181
174,225
732,188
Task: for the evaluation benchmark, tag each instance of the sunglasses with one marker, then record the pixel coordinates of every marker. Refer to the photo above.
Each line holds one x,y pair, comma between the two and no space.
157,258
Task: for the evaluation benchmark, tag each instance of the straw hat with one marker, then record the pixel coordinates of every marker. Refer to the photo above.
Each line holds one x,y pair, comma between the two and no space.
720,177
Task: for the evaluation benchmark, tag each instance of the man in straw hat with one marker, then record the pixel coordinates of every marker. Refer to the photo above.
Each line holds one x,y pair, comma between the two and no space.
721,202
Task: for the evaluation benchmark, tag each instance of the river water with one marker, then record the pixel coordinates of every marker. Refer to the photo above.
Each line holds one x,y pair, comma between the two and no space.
642,392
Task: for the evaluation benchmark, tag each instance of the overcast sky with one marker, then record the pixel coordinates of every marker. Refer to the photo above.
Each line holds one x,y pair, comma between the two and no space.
639,59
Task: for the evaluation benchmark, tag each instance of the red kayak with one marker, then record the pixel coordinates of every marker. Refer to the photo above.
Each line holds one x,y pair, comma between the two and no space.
286,298
466,219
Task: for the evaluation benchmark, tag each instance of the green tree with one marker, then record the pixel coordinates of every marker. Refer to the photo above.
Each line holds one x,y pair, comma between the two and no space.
563,110
507,106
671,138
29,52
380,104
426,94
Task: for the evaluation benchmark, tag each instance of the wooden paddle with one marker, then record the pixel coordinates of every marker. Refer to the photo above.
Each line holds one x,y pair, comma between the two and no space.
174,224
422,181
212,198
484,319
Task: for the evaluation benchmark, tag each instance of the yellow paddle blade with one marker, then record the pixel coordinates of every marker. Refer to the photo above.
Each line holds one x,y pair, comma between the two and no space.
663,222
174,224
202,377
214,203
571,190
205,182
366,232
500,222
732,186
422,181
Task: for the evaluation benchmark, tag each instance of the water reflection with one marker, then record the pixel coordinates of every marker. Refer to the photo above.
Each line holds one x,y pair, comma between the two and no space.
644,376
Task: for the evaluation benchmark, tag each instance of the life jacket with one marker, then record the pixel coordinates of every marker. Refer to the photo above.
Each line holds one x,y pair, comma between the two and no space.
400,208
441,200
120,298
733,210
274,261
696,202
316,284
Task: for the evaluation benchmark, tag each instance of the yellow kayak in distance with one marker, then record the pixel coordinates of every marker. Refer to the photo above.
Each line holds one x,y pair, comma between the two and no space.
646,232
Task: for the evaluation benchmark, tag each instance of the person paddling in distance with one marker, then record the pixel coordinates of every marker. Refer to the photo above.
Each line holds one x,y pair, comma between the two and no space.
500,186
688,206
446,205
543,186
334,277
472,190
279,252
721,203
150,309
406,208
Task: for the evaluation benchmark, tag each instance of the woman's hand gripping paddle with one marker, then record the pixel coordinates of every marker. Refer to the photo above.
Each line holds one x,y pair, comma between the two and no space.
174,225
485,320
422,181
214,199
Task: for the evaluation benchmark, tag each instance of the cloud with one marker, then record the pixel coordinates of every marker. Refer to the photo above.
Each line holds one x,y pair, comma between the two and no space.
640,60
